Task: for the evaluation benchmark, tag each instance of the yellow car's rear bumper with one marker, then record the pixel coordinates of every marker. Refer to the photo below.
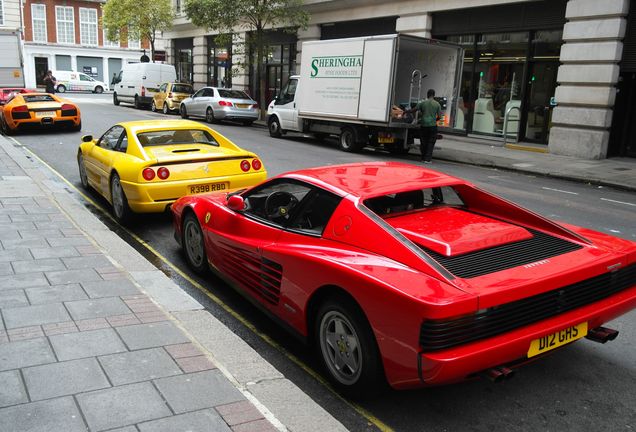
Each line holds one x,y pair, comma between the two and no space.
156,196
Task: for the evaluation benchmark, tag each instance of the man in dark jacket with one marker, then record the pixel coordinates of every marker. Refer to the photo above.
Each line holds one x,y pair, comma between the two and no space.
49,82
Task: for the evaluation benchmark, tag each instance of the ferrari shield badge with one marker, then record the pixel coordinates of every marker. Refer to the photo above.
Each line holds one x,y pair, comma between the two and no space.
207,217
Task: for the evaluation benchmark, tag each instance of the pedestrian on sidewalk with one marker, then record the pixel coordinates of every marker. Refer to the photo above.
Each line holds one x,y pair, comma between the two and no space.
430,111
49,82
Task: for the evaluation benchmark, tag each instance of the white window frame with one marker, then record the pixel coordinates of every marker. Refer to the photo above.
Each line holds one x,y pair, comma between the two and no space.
35,6
89,23
108,43
137,43
57,23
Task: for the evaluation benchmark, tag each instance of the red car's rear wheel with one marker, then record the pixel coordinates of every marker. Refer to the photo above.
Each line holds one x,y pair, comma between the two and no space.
347,347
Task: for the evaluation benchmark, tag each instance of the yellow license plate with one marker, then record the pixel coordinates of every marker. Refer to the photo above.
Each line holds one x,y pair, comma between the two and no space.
210,187
45,114
242,105
386,140
555,340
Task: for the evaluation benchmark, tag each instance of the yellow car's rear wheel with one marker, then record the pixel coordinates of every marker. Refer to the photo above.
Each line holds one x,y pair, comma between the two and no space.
121,209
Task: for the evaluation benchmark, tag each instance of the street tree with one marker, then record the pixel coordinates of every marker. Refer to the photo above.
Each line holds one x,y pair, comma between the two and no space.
138,19
255,18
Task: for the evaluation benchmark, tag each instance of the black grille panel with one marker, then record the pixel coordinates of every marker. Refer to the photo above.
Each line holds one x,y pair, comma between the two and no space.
256,273
481,262
441,334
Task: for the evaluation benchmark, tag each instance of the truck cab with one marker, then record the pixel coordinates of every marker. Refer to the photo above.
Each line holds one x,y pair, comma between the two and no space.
282,113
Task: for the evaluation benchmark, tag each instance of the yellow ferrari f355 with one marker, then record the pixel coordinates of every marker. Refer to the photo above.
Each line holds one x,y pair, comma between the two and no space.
144,166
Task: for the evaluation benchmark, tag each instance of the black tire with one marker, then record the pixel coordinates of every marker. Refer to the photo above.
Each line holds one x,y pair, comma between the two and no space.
183,111
82,172
115,99
275,131
348,142
193,244
77,128
99,90
209,115
6,130
121,211
340,321
61,88
165,108
137,104
153,107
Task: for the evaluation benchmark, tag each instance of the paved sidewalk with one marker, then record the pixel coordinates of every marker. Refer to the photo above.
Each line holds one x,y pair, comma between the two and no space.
614,172
92,342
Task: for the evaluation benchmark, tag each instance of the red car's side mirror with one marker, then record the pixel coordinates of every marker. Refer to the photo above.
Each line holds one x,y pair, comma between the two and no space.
236,203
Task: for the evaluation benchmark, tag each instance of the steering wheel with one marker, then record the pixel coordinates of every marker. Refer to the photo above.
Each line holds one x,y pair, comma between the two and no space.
279,204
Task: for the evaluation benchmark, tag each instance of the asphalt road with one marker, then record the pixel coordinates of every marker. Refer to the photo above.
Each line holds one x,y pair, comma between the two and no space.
583,387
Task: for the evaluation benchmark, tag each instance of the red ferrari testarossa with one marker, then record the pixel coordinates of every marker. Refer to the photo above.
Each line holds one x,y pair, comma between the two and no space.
405,275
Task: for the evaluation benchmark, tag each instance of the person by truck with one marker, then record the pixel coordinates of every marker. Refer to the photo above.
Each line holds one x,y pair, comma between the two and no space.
360,89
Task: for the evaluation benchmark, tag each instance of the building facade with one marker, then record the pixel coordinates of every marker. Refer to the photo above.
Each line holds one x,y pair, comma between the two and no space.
68,35
558,73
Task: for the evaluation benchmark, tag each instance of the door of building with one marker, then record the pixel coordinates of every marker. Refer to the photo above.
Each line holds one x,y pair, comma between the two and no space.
537,110
623,133
41,67
274,81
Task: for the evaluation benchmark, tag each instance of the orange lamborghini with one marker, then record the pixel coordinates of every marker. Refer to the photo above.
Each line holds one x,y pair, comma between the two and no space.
26,110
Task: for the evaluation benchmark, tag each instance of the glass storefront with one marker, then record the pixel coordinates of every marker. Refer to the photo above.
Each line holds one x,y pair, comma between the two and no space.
219,65
279,60
508,82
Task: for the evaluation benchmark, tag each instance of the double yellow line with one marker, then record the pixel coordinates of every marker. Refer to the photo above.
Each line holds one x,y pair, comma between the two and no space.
360,410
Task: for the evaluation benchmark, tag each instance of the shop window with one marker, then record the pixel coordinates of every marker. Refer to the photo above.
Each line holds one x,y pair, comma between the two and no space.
219,65
546,44
184,65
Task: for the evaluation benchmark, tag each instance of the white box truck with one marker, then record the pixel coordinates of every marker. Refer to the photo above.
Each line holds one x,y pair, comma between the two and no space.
358,88
11,70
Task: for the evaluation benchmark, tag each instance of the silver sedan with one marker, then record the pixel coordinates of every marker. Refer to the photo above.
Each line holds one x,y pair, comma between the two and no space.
214,104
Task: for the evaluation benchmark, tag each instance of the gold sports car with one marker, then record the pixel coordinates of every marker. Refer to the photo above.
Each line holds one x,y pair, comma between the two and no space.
169,96
24,110
144,166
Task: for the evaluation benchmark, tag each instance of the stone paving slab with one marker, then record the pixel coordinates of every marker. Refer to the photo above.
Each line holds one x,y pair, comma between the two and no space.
96,308
198,421
13,298
59,414
64,378
12,391
136,366
151,335
54,294
87,344
25,353
198,390
122,406
103,288
35,315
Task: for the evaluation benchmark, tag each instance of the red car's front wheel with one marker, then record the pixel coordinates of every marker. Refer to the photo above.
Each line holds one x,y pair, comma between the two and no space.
193,244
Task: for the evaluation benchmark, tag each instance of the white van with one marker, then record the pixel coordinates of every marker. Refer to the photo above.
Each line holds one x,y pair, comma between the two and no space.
77,81
137,83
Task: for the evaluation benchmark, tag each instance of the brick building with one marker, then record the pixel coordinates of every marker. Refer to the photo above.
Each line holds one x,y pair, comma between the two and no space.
67,35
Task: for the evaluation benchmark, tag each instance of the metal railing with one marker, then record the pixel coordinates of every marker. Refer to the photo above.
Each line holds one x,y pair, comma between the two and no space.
505,125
